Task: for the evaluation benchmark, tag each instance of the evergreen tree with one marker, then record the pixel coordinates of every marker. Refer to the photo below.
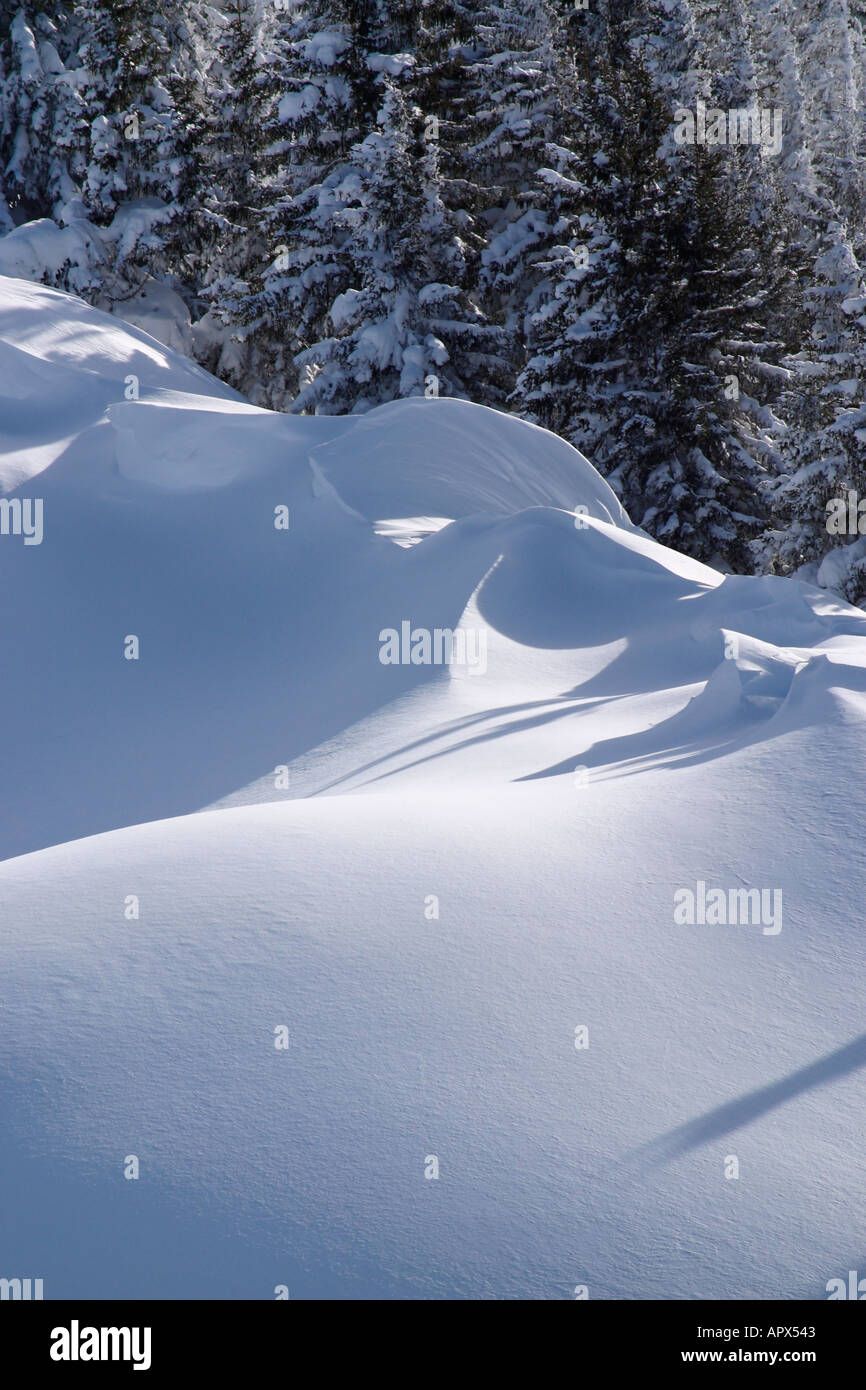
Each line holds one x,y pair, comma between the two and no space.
275,305
155,117
41,114
404,326
362,249
826,442
232,245
652,339
824,455
512,130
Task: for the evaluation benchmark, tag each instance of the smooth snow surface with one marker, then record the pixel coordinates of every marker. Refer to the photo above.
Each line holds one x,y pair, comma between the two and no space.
430,877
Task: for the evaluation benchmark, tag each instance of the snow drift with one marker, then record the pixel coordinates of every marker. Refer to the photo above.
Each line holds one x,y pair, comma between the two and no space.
286,922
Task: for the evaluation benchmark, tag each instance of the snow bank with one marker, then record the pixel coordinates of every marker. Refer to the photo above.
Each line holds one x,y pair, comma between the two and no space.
82,255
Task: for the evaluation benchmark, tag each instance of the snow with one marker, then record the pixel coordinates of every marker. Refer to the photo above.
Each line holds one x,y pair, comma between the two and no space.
323,48
836,564
430,882
41,247
161,313
395,64
135,222
43,250
293,105
22,37
63,364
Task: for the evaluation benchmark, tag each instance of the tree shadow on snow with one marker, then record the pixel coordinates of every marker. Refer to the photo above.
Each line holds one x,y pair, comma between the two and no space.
735,1114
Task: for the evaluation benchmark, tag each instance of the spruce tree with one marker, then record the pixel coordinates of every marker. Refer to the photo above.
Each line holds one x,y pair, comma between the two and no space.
653,339
404,325
308,101
41,114
825,458
231,242
360,245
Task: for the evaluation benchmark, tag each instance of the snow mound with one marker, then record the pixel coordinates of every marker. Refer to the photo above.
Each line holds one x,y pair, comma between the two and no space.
451,458
340,874
78,361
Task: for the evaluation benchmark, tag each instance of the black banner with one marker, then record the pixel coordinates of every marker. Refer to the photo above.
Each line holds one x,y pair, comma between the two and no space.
204,1338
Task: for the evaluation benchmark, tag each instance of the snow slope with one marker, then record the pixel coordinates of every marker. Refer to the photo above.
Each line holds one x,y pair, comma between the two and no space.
430,877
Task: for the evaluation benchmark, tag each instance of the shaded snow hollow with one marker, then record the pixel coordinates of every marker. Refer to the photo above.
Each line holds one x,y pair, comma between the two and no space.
432,879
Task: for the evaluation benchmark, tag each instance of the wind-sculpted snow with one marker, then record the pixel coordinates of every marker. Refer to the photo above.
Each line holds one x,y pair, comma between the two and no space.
292,908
